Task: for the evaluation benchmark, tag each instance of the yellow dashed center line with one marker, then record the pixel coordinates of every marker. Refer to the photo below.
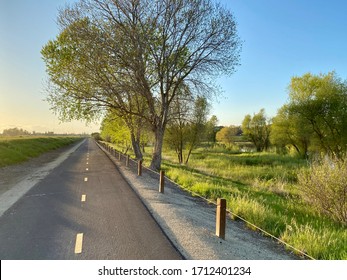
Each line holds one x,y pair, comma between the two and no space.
78,245
83,198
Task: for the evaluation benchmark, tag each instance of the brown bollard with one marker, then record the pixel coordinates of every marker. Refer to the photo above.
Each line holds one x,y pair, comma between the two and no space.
127,161
221,217
162,181
139,167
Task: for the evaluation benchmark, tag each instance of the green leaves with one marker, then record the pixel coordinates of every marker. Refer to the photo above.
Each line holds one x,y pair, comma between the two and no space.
257,128
314,120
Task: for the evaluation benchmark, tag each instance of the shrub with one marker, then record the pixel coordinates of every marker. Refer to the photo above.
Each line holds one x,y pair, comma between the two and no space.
324,186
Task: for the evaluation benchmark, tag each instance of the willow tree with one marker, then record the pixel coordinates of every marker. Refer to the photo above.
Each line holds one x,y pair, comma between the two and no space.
133,56
257,128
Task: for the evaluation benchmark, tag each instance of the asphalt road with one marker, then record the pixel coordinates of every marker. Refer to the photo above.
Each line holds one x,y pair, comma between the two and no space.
83,209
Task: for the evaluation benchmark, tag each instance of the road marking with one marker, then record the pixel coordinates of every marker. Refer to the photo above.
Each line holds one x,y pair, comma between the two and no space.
78,245
85,179
87,169
83,198
87,162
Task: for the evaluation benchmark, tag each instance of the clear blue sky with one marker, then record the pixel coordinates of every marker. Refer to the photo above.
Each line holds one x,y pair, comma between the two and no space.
281,39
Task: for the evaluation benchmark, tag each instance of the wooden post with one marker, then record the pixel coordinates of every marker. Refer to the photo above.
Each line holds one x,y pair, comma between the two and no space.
221,217
139,167
127,161
162,181
119,155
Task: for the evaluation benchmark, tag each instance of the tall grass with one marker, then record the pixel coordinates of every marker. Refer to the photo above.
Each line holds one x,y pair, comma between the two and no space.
17,150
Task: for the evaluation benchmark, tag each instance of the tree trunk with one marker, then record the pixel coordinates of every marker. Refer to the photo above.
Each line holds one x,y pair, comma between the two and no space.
192,146
136,147
157,150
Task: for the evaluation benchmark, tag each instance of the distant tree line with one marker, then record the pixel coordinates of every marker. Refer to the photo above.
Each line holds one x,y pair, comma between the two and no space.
15,132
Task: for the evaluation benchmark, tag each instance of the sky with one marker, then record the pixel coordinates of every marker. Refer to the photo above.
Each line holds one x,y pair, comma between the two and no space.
281,39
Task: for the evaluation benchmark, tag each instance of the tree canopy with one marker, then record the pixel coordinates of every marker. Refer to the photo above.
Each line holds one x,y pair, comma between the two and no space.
257,128
227,134
133,56
315,118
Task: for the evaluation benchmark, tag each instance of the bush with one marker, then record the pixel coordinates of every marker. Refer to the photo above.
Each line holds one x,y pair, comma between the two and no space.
324,186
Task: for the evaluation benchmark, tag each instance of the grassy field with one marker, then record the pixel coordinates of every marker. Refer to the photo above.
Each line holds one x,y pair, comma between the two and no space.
261,188
18,149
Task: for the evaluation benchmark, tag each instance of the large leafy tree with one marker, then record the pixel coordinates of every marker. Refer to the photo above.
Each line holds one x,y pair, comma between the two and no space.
257,128
321,101
134,55
315,118
289,129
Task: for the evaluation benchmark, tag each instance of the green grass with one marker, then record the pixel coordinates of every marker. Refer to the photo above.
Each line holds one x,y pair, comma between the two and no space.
19,149
261,188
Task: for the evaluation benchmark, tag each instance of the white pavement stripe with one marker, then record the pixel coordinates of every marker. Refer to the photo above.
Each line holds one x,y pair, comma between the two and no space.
85,179
83,198
79,242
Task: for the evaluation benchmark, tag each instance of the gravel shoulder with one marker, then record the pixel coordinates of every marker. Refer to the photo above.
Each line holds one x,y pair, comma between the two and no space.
189,222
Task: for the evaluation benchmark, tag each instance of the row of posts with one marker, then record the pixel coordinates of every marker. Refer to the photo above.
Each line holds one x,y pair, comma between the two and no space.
221,202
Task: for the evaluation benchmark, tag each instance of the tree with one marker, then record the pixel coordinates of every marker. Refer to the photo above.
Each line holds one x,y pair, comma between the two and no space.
186,130
133,56
289,129
257,128
211,129
227,134
320,103
315,118
15,132
96,136
197,126
113,129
